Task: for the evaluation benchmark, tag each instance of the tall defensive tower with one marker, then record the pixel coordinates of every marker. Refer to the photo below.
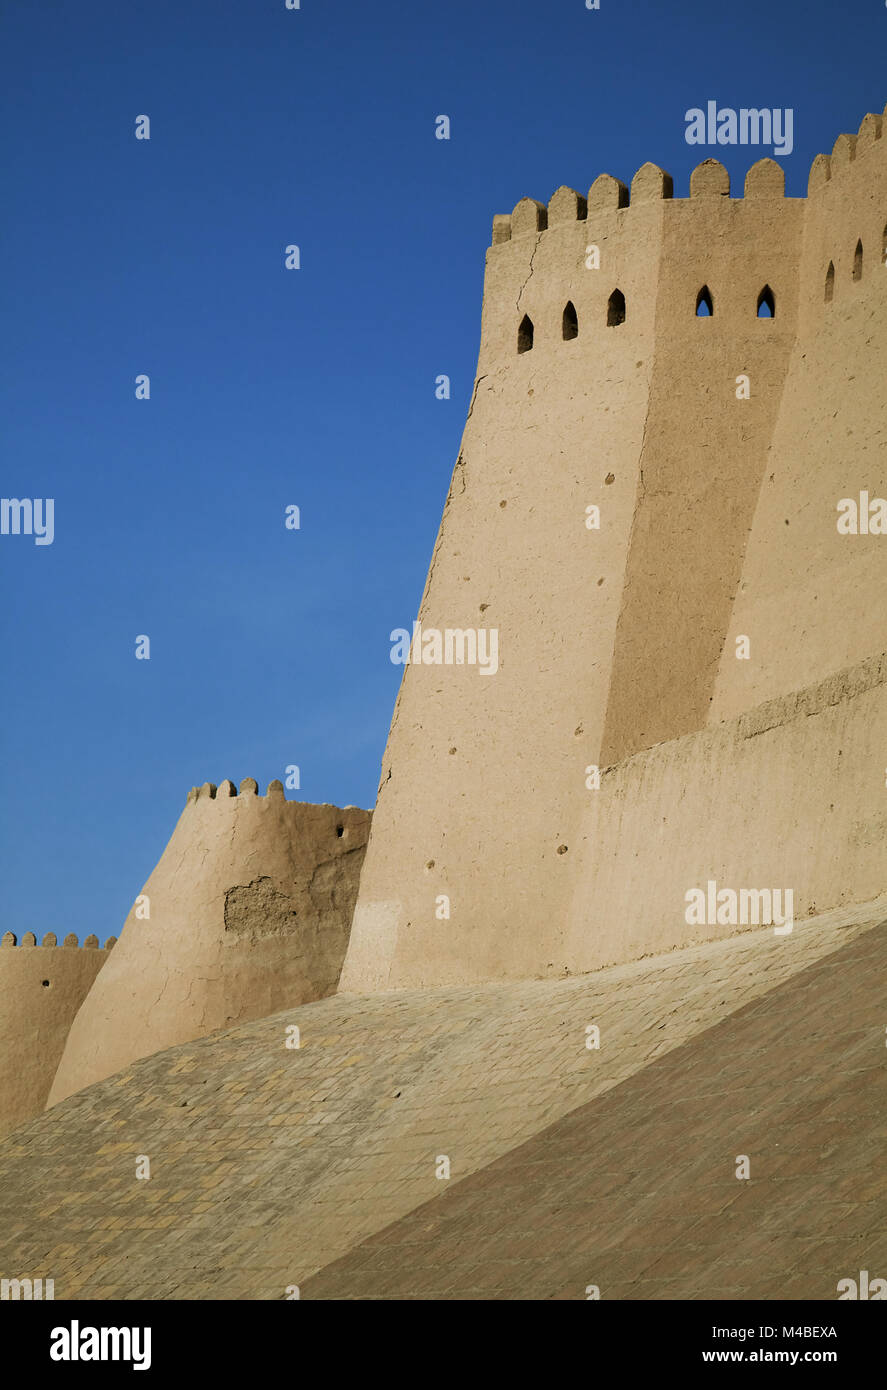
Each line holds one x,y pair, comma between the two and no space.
715,451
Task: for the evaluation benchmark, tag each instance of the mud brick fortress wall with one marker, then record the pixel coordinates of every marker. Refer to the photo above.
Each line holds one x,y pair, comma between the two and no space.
41,989
598,386
617,645
249,910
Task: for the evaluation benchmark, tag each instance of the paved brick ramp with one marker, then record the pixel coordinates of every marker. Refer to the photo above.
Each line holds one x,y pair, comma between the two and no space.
268,1164
636,1192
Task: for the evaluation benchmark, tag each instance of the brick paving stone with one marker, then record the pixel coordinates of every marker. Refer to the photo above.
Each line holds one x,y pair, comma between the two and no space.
691,1229
271,1164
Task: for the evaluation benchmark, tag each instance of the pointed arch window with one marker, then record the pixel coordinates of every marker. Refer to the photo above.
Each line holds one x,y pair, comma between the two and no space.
525,334
704,305
830,283
570,325
766,304
615,309
857,261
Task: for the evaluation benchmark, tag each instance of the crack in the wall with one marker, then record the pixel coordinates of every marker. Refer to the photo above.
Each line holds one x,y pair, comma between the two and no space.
529,272
471,404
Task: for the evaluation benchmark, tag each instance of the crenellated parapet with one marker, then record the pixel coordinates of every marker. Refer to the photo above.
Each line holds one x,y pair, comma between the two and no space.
608,194
845,151
655,251
71,941
247,912
845,234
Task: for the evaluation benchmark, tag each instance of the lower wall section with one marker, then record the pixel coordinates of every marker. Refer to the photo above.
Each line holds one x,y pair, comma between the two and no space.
41,989
790,796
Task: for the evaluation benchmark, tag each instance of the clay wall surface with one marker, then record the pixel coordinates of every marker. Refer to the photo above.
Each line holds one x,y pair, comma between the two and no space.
810,599
788,796
41,989
704,448
550,431
250,909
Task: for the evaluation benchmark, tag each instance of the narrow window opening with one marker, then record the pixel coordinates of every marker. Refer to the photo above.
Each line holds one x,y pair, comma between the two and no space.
525,334
766,304
704,306
615,309
857,261
830,283
571,321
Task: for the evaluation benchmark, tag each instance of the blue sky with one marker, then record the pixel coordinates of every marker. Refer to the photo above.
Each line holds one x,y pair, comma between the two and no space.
272,387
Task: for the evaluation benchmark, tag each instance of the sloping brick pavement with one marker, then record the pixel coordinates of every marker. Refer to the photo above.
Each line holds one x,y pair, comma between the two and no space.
269,1163
637,1193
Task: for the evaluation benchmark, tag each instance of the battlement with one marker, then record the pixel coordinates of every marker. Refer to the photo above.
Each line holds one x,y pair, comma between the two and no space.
347,824
226,789
71,942
710,179
845,150
249,788
561,276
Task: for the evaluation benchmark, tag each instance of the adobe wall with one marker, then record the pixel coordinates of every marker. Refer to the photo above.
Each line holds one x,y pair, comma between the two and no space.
811,599
704,448
611,640
250,909
787,796
41,989
549,432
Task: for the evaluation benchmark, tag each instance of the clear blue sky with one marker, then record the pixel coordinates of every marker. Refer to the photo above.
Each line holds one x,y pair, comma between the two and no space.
269,387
